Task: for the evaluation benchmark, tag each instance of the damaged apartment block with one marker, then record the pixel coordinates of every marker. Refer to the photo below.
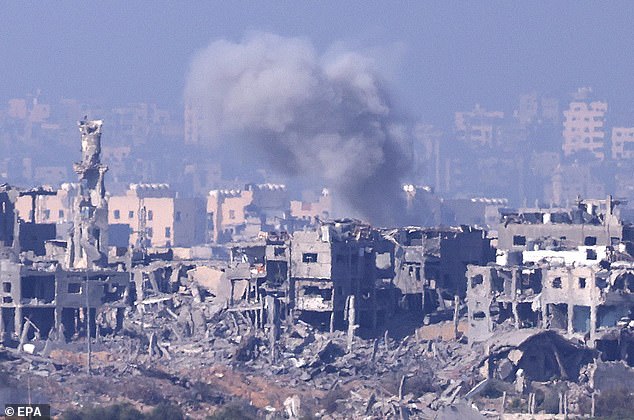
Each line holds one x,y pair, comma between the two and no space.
321,276
569,272
343,274
431,264
53,288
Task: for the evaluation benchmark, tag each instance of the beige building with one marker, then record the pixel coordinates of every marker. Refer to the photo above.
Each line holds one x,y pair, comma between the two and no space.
164,219
226,211
321,208
478,126
584,128
622,143
49,208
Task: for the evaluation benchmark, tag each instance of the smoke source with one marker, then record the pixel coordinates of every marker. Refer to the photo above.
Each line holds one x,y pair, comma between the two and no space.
324,118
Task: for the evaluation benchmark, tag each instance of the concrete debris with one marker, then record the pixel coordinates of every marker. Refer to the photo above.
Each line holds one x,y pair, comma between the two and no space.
336,320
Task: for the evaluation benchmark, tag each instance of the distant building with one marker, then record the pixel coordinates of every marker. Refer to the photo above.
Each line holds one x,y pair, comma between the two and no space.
536,109
589,223
622,143
322,208
49,208
226,212
478,126
193,124
584,127
571,181
481,211
245,213
156,216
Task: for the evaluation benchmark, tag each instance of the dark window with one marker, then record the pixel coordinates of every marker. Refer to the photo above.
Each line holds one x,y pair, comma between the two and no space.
60,214
591,254
479,315
74,287
477,279
279,251
232,214
590,241
177,216
168,232
309,257
6,287
47,214
519,240
557,282
117,214
130,214
149,231
150,215
582,283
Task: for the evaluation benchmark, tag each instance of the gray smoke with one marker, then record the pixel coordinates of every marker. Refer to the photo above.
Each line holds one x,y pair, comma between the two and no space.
324,118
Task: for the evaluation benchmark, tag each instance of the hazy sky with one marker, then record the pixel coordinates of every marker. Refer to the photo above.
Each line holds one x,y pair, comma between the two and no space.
438,56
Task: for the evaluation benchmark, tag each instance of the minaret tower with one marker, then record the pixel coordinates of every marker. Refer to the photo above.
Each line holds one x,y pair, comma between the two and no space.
88,245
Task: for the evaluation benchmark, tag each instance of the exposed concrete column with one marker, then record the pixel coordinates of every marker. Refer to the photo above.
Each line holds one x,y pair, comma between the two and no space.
17,321
58,317
352,320
571,306
374,309
516,315
593,325
273,309
456,313
332,314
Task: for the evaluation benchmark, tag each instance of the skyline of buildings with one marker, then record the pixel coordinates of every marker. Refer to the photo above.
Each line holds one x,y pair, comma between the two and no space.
548,150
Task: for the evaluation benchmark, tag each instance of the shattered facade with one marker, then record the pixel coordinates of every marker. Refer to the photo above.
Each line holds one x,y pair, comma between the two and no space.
431,263
344,263
590,222
52,287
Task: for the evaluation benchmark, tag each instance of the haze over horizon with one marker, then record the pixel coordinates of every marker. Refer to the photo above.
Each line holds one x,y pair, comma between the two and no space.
437,57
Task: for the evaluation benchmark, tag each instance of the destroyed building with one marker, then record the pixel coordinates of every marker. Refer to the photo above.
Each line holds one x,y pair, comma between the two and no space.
590,222
56,287
430,263
568,271
344,266
577,300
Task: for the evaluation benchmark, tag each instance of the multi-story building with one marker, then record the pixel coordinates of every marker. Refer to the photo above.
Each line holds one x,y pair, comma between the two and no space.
533,108
344,266
322,208
226,213
591,222
243,214
65,283
478,126
568,182
622,143
157,217
54,208
584,128
193,124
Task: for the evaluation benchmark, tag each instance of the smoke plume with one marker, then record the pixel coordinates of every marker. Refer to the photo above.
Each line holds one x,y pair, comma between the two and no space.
326,118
